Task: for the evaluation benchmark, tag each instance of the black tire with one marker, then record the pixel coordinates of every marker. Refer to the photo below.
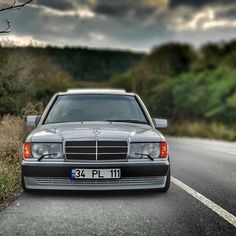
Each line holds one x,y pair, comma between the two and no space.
167,185
23,184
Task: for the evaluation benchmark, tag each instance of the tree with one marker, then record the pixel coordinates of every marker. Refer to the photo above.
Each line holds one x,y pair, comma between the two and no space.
212,54
13,6
171,59
26,77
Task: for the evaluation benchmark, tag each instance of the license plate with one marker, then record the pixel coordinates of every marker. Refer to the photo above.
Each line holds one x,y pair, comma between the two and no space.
95,173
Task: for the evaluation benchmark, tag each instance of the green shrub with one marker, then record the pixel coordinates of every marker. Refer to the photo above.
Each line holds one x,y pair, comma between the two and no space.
202,129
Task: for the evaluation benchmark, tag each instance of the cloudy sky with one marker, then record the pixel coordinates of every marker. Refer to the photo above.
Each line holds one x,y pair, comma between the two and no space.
132,24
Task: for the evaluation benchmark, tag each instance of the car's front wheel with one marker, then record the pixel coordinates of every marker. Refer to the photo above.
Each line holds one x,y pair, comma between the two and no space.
23,184
167,184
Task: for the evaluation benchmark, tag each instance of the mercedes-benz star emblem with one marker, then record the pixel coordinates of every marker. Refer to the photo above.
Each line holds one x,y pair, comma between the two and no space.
96,131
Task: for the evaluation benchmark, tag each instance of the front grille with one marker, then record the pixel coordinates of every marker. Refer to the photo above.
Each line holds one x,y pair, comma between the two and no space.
96,150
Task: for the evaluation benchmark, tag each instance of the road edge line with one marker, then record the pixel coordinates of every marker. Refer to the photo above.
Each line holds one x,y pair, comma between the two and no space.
207,202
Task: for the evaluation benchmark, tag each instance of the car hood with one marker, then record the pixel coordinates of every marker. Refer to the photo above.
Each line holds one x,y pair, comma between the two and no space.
74,131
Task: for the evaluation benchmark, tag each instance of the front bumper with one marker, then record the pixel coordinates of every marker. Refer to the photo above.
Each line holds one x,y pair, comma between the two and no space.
56,176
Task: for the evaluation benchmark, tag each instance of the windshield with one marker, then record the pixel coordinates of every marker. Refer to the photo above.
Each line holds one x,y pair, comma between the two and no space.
79,108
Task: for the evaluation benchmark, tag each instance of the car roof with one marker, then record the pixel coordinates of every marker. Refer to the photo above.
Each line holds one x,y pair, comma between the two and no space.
96,91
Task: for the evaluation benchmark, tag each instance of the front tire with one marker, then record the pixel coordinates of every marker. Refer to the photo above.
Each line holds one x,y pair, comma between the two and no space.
23,184
167,184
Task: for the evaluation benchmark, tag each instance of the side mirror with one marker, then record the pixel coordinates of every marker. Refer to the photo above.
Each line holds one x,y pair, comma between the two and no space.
160,123
32,121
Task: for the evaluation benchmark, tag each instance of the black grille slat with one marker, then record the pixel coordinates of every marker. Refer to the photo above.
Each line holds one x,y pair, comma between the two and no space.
112,143
112,150
111,156
96,150
81,156
81,150
81,143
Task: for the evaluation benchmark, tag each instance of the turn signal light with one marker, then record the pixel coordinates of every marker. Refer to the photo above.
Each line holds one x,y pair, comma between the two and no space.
27,150
163,150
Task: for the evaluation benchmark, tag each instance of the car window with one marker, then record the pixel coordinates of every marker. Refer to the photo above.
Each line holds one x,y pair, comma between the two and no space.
75,108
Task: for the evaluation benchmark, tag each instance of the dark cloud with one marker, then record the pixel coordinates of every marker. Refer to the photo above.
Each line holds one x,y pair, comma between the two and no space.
199,37
198,3
58,5
228,14
123,8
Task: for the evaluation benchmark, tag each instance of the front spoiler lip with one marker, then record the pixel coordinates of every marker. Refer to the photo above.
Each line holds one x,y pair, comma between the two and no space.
63,169
32,183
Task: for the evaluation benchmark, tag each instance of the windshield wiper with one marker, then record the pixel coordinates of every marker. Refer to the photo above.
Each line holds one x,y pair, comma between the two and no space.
128,121
150,157
45,155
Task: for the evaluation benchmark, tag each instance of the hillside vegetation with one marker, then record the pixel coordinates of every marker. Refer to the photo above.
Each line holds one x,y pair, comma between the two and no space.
175,80
35,74
195,90
182,84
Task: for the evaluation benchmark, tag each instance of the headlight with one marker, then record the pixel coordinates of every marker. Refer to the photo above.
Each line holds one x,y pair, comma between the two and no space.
49,150
143,150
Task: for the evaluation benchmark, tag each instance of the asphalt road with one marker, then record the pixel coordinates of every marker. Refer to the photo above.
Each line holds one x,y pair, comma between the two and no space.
208,167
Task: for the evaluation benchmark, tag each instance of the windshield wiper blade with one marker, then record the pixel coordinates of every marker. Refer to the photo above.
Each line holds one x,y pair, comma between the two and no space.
129,121
45,155
150,157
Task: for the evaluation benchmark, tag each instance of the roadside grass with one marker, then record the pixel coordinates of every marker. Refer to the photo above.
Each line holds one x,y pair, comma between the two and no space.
202,130
11,136
9,182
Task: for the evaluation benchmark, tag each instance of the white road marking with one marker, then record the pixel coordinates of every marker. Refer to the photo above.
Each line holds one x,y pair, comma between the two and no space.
214,207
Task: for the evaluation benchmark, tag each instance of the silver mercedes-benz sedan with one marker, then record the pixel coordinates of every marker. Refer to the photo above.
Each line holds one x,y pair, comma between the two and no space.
95,140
